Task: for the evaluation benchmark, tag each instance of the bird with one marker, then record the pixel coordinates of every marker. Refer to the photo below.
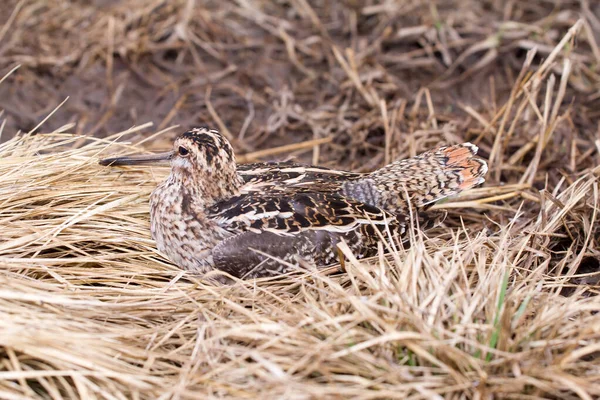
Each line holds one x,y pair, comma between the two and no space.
262,219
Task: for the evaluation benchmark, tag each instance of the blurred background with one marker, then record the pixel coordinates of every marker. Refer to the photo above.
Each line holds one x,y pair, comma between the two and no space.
270,73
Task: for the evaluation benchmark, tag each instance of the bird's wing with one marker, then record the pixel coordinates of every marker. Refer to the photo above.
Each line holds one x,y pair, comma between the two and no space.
289,212
273,227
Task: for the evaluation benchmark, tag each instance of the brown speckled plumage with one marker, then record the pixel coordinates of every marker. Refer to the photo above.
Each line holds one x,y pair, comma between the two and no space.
212,213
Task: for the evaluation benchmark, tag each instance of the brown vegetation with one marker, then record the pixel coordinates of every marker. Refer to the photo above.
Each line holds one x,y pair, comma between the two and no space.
499,301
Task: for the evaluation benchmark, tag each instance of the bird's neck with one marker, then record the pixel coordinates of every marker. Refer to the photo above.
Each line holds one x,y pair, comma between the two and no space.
202,191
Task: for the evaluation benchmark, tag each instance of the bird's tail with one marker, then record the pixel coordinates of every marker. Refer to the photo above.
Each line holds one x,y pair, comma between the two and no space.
428,177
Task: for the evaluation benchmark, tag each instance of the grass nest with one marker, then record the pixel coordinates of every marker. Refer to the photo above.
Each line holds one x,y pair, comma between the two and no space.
500,300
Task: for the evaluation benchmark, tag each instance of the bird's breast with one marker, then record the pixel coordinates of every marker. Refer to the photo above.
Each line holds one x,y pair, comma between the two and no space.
181,230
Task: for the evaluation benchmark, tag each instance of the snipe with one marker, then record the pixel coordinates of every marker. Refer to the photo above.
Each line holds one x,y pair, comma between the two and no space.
213,213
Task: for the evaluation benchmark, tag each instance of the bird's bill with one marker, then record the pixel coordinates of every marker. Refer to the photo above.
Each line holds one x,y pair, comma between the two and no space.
137,160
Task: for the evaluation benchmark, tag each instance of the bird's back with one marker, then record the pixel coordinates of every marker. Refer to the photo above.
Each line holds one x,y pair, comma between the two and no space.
290,174
416,181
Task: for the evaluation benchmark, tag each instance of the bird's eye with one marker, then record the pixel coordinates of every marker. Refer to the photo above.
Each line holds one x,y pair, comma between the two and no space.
183,151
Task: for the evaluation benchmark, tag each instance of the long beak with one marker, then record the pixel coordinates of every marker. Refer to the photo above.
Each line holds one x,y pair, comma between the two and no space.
136,160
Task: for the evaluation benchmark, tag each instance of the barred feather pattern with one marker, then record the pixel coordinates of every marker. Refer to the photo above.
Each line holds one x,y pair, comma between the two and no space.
259,219
421,180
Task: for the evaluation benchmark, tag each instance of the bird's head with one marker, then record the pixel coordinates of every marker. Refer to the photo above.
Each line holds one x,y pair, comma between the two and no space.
202,152
201,159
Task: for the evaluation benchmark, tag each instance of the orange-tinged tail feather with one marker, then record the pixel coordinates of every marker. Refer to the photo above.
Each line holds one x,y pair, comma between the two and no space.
429,177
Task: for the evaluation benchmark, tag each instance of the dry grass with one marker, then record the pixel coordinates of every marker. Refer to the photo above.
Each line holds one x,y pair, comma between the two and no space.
89,308
500,301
